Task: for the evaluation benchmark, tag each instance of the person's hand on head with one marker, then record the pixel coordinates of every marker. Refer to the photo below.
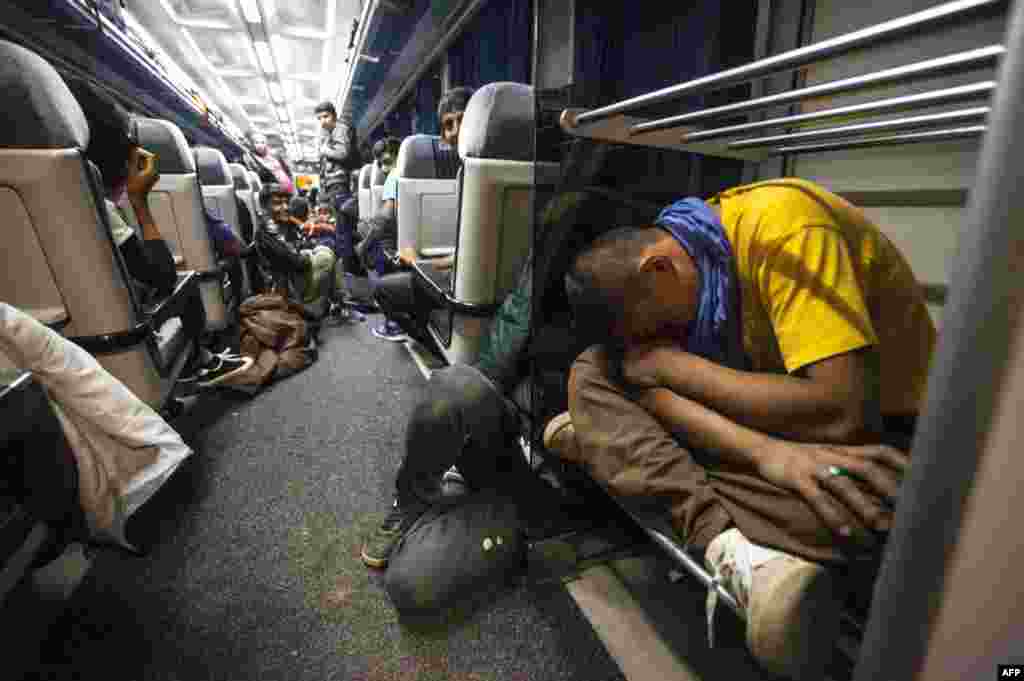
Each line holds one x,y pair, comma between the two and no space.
142,173
853,489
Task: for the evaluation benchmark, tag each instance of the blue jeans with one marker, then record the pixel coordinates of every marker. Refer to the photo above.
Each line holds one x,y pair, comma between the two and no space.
344,229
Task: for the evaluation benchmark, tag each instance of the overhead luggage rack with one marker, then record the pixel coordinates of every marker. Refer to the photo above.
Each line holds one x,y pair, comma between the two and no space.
713,131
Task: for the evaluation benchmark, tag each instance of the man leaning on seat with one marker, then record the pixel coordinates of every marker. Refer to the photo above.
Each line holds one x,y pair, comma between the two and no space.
763,351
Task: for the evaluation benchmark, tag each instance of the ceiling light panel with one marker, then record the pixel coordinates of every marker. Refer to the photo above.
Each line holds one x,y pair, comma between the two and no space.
261,110
297,55
201,14
294,60
251,11
308,19
265,57
242,89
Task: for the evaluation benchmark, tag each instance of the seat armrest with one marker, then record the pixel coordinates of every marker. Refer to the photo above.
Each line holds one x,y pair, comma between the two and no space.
184,301
177,304
471,309
437,252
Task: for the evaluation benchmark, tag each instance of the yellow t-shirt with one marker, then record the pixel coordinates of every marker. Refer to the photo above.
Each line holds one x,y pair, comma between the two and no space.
819,279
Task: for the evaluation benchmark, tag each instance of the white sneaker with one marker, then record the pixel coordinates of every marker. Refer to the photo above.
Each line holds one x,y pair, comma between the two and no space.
792,612
453,475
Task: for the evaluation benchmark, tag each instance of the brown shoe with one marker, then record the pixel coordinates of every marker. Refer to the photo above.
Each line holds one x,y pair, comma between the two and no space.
791,607
560,438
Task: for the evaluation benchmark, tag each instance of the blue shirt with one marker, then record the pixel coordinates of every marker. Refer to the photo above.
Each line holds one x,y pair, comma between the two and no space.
391,187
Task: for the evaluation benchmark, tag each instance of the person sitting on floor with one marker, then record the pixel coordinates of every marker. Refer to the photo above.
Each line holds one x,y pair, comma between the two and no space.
484,404
403,297
762,352
301,265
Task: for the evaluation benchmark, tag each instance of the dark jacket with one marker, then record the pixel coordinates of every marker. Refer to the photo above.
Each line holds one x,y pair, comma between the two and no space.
281,246
338,155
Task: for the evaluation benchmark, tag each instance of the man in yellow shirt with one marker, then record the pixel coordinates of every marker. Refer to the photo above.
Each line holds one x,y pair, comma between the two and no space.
761,352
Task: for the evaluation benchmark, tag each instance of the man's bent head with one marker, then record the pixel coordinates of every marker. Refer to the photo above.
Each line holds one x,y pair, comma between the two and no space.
633,285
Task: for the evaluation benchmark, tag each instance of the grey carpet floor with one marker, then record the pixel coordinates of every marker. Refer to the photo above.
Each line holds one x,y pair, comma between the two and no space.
253,572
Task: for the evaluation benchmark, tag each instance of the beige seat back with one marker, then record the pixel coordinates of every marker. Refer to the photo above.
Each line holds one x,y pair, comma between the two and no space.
60,263
377,179
177,206
365,192
218,187
244,191
427,195
256,183
497,194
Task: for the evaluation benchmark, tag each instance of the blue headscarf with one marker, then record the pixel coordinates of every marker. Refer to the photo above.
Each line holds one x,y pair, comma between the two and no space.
714,334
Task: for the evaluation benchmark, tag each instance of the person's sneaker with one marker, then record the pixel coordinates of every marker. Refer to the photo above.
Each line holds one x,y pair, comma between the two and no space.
220,368
379,545
453,484
791,605
560,438
453,475
389,331
342,314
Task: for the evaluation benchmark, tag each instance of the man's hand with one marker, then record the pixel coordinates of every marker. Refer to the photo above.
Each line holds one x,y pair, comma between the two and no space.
851,505
407,256
445,263
142,174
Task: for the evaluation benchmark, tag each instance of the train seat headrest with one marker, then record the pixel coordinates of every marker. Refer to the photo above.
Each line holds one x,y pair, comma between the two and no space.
167,141
499,123
427,157
39,110
241,176
213,167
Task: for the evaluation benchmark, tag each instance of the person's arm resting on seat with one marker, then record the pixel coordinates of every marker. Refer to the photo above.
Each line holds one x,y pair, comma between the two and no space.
825,335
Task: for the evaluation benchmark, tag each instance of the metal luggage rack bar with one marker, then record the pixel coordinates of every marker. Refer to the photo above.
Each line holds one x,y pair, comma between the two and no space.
623,122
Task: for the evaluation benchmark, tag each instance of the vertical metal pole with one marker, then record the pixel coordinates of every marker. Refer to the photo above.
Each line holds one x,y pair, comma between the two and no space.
967,374
538,8
762,43
800,76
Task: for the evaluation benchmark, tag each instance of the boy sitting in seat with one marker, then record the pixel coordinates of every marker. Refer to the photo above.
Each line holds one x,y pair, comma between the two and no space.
126,169
760,349
402,296
376,250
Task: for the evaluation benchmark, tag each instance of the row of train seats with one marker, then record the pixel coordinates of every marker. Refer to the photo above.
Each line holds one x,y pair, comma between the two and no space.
61,264
247,189
482,213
